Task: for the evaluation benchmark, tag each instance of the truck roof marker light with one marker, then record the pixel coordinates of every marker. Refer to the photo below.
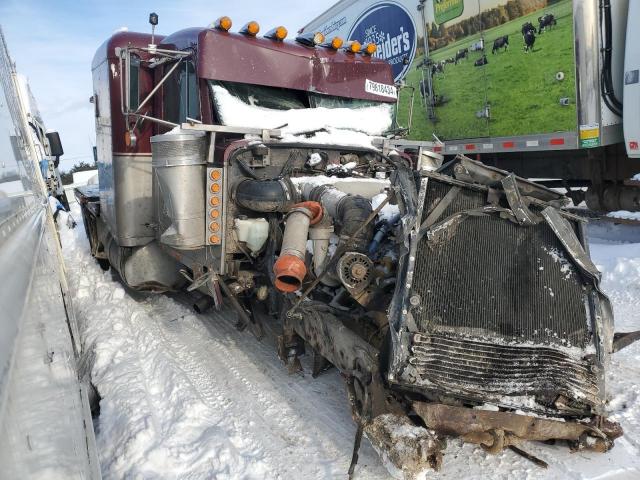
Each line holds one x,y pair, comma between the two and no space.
223,23
278,33
353,47
335,43
310,39
252,28
370,49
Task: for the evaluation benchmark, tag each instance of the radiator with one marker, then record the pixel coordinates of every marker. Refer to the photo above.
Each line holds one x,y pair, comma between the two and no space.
500,312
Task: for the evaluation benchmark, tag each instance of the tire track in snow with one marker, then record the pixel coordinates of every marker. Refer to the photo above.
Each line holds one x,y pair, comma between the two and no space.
266,402
211,402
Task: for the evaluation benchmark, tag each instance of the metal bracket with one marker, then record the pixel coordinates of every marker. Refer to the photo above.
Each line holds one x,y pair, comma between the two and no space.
266,134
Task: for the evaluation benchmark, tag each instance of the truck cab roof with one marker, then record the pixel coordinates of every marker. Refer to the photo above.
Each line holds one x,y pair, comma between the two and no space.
235,57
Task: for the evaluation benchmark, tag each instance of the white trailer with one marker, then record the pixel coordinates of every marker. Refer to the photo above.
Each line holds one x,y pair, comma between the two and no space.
534,86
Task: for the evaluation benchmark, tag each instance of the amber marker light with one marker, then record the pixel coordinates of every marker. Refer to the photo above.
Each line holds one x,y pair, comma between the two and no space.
214,214
252,28
371,48
353,47
311,39
215,187
278,33
214,227
223,23
215,175
214,239
336,43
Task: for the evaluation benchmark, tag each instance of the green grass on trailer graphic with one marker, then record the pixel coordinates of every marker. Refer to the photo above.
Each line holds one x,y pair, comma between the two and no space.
520,88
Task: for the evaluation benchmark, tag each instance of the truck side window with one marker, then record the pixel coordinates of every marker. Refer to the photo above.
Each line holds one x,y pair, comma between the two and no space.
134,82
189,97
181,96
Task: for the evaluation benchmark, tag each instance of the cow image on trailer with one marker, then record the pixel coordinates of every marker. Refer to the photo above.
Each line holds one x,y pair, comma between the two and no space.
391,27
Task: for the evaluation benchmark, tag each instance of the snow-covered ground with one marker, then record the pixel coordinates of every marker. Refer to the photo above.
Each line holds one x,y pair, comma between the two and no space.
186,396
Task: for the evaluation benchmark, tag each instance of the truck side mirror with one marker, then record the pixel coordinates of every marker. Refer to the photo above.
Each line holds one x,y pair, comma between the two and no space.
55,145
129,80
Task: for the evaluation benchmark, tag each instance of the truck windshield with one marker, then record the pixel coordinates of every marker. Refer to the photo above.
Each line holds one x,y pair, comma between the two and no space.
259,106
266,97
327,101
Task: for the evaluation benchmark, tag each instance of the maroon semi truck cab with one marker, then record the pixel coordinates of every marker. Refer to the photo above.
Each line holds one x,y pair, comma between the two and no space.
267,173
205,55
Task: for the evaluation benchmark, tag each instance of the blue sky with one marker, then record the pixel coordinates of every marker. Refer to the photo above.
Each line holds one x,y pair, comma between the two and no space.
53,42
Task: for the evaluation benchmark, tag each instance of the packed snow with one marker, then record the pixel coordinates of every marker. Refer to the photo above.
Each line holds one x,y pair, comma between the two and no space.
344,126
624,215
189,397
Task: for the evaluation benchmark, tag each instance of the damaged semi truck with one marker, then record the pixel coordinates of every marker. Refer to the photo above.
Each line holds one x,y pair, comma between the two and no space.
264,172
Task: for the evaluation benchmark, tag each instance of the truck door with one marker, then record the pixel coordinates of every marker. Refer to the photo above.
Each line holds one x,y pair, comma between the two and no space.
181,98
632,82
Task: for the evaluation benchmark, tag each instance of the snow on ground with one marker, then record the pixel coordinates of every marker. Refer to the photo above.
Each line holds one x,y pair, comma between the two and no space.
186,396
625,215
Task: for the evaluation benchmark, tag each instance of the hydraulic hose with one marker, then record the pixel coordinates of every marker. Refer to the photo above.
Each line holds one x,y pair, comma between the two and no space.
606,80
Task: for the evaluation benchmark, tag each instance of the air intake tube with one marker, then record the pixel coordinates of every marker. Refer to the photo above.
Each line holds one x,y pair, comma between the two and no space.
348,211
290,268
276,195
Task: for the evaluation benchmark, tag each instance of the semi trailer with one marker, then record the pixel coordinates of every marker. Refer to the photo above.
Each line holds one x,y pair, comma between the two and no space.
264,173
537,87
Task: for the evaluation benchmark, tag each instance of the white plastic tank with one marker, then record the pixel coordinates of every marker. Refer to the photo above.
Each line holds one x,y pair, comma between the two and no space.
253,232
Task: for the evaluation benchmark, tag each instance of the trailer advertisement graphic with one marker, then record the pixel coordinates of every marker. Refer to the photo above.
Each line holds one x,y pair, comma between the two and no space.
445,10
503,68
390,26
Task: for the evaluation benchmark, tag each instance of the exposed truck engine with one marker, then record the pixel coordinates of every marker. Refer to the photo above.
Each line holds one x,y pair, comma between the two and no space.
456,299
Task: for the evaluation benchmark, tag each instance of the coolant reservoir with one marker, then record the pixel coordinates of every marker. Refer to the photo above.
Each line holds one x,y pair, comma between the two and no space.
253,232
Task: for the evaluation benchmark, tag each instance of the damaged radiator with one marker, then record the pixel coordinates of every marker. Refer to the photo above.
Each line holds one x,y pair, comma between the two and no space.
497,310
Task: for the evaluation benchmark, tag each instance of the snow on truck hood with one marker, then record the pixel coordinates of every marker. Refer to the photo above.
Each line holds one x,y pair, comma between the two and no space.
339,126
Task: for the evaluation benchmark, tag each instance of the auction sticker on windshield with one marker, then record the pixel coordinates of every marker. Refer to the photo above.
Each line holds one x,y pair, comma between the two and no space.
381,89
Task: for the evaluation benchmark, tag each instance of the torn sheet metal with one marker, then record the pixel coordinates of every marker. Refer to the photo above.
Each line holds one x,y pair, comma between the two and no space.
516,203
